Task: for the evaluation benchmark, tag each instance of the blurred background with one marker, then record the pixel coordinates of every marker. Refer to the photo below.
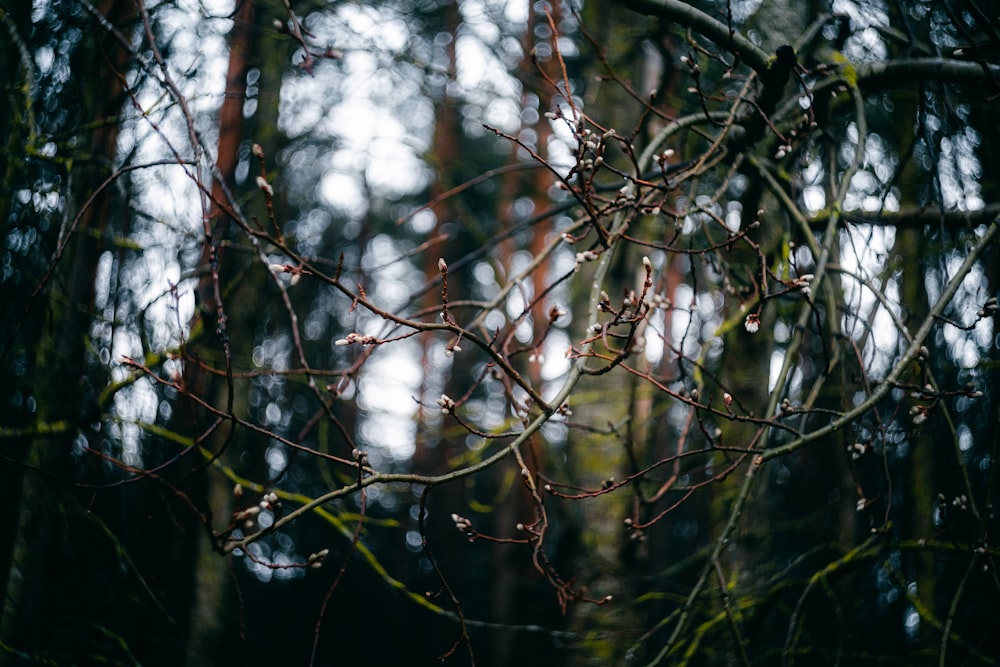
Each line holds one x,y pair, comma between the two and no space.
637,332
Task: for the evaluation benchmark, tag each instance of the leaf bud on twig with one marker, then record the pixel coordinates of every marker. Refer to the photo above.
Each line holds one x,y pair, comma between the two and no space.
447,404
265,186
315,560
462,524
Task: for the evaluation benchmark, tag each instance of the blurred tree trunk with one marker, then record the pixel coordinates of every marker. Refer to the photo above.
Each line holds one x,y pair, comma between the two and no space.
430,453
228,321
14,111
928,455
211,608
51,588
516,587
777,503
441,440
644,56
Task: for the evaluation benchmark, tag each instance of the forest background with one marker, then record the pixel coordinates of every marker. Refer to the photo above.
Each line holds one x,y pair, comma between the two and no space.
631,332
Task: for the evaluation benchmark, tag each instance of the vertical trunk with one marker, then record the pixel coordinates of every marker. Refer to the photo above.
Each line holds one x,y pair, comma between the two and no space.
444,153
44,590
916,471
926,453
438,441
210,612
15,288
513,580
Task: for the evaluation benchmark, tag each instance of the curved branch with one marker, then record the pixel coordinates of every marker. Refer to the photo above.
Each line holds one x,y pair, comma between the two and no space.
907,70
685,15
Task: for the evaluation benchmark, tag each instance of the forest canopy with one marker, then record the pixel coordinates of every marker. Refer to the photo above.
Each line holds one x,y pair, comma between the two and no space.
480,331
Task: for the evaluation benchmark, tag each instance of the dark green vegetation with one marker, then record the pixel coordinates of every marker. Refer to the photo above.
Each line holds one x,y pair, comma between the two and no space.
640,332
